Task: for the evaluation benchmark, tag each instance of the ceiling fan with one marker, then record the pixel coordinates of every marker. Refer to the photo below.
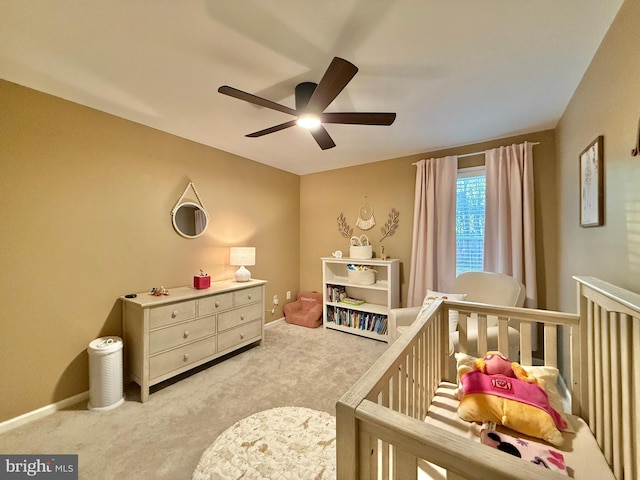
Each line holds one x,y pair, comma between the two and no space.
311,100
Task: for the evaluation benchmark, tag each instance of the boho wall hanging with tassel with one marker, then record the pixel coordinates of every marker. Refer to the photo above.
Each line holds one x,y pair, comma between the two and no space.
365,220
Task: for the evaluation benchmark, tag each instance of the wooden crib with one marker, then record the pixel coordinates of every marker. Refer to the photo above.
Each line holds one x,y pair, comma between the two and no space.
381,432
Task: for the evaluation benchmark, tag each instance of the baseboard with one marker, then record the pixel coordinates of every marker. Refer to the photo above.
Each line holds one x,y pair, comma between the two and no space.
42,412
67,402
274,323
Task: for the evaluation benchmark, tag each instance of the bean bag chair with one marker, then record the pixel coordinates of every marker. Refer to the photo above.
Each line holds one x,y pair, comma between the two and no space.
306,311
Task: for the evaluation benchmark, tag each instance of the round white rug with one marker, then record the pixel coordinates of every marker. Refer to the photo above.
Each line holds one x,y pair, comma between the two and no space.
281,443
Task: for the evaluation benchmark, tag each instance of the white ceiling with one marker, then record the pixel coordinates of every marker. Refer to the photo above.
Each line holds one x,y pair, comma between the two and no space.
455,71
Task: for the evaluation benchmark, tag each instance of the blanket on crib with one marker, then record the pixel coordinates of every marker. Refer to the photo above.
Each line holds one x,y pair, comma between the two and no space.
527,450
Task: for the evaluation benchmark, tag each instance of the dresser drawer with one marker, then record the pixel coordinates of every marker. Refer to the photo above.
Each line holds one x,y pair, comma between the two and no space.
243,333
239,316
246,296
215,303
172,313
166,362
176,335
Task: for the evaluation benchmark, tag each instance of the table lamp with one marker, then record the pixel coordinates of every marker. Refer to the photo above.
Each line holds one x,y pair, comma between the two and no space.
242,256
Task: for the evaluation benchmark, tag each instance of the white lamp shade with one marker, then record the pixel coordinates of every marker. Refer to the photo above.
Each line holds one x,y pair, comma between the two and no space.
242,256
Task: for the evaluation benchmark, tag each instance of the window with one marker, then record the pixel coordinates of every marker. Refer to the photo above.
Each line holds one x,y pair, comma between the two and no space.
470,202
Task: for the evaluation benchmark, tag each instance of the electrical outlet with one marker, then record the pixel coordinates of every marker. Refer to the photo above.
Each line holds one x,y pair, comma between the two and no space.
275,300
288,294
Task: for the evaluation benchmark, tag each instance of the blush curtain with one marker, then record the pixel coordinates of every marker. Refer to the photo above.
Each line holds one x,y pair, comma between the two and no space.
433,249
200,220
509,238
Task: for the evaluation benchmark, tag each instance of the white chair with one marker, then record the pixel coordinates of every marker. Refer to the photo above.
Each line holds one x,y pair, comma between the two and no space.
482,287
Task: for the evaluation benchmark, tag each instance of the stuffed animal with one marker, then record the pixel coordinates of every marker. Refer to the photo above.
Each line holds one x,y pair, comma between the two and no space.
494,363
498,390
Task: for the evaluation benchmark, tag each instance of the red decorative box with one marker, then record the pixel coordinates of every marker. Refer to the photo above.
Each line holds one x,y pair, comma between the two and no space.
201,282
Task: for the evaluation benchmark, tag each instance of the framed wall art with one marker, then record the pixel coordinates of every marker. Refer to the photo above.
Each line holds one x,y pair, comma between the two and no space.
592,185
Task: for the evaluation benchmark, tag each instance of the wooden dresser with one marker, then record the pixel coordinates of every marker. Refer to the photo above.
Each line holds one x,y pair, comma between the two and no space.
170,334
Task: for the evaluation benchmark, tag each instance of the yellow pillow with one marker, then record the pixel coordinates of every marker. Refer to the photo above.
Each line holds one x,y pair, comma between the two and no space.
520,416
547,378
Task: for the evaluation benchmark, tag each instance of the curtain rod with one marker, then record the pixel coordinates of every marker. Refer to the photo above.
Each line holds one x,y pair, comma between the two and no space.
477,153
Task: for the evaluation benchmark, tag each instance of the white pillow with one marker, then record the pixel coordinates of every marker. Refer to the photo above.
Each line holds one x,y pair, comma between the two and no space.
453,316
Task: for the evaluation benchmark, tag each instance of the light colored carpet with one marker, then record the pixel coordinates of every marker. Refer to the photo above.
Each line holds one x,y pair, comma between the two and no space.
165,437
277,444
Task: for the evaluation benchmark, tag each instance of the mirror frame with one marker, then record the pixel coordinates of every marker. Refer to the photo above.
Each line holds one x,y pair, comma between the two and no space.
180,203
195,206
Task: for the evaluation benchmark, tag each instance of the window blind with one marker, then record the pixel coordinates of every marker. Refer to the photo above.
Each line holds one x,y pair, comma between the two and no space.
470,207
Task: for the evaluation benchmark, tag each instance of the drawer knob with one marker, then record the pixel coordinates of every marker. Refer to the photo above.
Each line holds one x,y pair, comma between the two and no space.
174,314
241,317
185,357
249,296
241,336
217,303
186,333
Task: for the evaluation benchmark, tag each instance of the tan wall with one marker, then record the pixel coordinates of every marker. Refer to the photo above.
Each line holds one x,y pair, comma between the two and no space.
323,196
86,201
607,103
391,184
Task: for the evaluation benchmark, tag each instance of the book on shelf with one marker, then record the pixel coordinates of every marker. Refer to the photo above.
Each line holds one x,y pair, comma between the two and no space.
372,322
334,292
352,301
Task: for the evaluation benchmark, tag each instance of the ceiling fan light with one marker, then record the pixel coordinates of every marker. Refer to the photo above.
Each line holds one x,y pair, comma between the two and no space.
308,121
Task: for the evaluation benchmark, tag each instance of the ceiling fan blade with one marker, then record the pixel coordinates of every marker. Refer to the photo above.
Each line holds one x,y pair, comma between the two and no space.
339,73
248,97
275,128
303,93
322,137
359,118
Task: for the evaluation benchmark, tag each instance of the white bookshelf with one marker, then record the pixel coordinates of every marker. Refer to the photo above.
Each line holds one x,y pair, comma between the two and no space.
371,318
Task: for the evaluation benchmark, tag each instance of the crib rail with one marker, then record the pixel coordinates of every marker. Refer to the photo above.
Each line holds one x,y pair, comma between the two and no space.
380,429
402,381
527,319
611,401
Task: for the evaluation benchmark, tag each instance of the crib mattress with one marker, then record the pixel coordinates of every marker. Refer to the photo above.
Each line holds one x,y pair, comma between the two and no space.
583,457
